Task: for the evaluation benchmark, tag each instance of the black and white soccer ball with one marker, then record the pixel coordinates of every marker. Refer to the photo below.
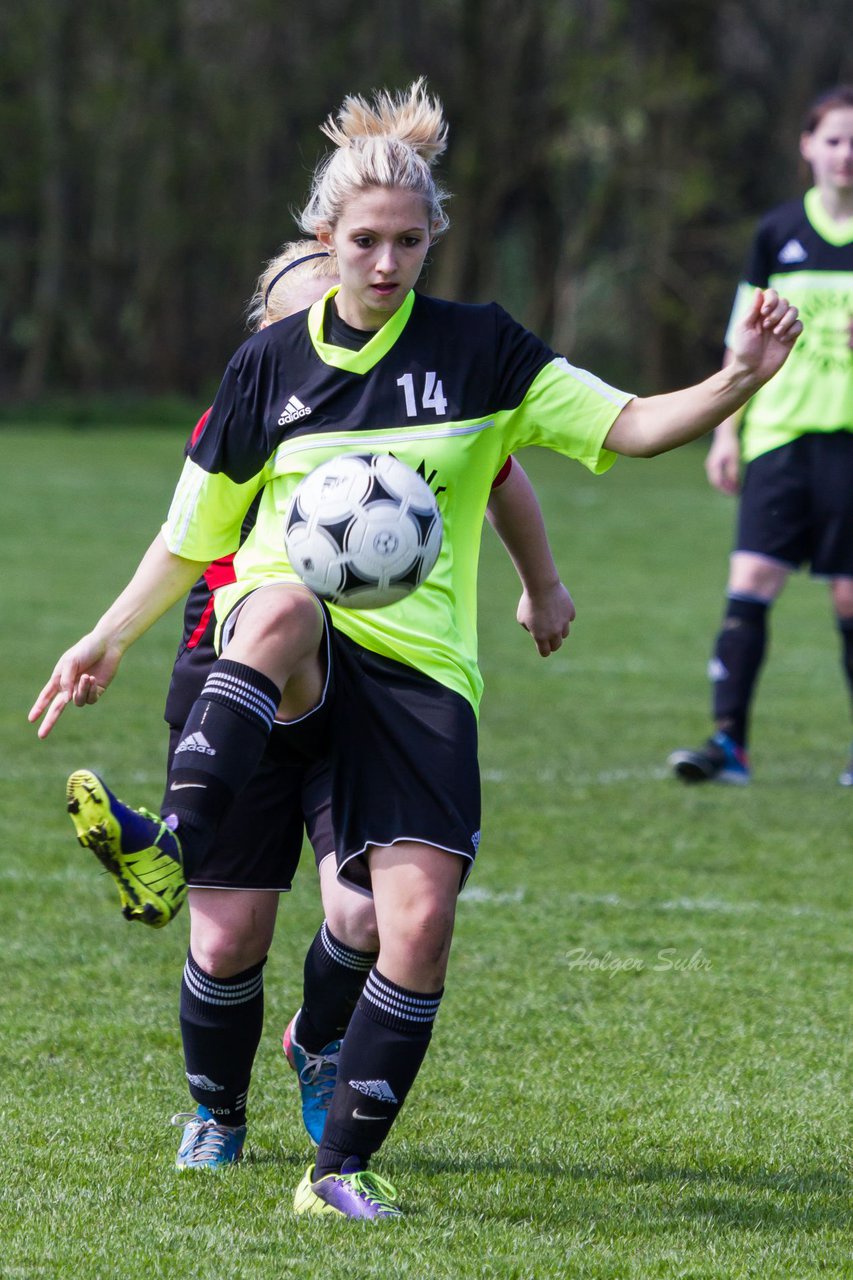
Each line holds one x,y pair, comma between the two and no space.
363,530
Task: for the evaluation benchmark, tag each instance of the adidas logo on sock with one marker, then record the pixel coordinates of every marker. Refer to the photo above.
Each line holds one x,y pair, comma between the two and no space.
717,671
293,410
205,1082
380,1089
196,742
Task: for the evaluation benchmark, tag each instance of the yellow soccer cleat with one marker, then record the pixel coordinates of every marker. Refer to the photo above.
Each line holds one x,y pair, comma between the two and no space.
141,853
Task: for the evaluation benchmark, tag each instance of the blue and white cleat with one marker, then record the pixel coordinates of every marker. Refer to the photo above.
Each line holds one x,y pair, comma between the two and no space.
719,760
141,853
207,1144
355,1192
317,1074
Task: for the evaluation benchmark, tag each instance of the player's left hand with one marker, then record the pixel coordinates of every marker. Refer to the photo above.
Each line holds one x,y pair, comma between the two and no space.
762,340
547,615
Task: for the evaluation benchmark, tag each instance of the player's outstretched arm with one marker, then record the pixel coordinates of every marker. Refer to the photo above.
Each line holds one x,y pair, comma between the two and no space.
545,609
760,345
83,672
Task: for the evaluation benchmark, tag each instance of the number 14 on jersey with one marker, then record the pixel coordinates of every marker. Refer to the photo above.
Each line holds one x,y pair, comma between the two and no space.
432,397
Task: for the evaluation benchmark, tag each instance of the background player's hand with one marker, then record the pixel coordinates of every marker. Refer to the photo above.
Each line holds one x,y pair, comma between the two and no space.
80,676
722,464
547,615
762,340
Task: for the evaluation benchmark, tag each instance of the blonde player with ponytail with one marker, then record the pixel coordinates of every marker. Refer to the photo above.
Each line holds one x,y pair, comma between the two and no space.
390,697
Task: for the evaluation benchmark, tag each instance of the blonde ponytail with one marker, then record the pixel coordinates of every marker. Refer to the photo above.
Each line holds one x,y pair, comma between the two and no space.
390,141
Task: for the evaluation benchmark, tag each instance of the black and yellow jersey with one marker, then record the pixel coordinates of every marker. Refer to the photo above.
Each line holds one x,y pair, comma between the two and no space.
808,258
450,389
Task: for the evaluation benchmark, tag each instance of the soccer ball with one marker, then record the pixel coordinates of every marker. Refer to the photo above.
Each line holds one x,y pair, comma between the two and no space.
363,530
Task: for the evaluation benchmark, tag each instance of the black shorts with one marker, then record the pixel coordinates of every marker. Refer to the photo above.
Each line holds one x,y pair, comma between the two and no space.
796,505
259,842
402,753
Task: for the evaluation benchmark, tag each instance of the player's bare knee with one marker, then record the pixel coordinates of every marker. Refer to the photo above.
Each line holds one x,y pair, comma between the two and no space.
424,933
756,576
223,954
277,629
291,621
354,923
228,934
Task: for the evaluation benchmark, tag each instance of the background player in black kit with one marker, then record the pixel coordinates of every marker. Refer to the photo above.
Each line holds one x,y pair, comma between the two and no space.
390,696
796,439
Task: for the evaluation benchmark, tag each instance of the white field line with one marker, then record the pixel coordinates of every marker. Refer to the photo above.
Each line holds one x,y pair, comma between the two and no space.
477,894
602,777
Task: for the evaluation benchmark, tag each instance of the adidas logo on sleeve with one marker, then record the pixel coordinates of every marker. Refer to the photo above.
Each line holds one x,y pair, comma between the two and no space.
293,411
792,252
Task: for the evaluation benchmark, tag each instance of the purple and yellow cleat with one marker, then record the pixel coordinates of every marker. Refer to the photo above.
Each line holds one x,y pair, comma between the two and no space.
141,853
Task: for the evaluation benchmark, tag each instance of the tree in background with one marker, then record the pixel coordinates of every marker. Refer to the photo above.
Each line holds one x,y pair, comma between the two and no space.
607,159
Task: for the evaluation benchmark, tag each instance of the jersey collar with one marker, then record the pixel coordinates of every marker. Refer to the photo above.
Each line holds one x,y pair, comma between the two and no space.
372,352
837,233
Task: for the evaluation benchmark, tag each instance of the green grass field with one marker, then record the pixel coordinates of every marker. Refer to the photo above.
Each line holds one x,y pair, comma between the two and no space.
641,1067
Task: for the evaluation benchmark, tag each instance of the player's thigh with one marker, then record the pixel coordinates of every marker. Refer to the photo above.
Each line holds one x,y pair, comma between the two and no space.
405,762
831,472
775,517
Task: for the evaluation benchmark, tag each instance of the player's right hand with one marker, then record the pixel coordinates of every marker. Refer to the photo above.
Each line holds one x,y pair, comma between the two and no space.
547,616
80,676
722,464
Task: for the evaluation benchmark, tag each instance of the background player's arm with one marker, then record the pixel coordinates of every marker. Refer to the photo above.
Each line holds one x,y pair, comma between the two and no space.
545,609
760,345
84,671
722,464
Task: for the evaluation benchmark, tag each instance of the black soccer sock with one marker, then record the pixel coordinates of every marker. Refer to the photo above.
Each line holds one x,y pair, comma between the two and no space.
845,628
381,1054
334,978
738,654
222,741
221,1021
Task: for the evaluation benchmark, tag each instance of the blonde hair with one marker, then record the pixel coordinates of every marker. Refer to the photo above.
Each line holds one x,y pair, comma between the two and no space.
390,141
272,299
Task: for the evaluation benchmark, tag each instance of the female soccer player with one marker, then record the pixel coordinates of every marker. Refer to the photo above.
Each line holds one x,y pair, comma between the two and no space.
388,696
795,437
234,891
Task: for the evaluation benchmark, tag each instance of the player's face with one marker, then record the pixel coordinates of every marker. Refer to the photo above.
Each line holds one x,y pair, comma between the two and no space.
829,150
381,240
